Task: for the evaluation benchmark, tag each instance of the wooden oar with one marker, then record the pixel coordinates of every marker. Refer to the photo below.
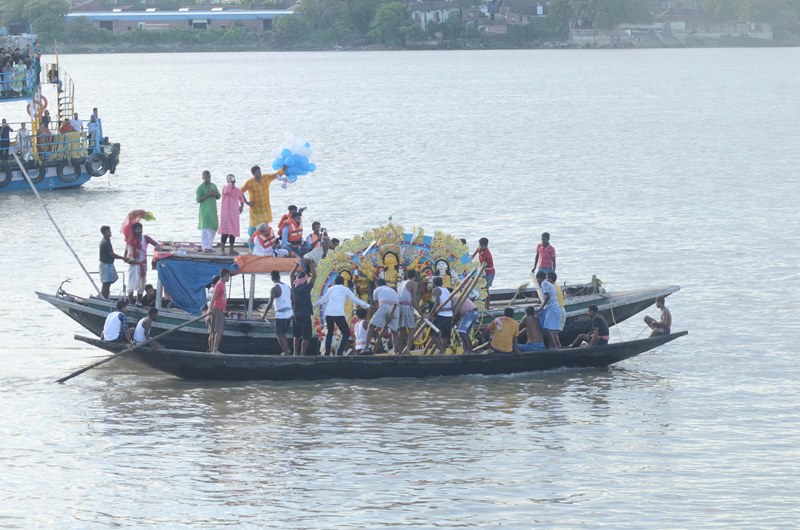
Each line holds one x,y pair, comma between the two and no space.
452,294
383,329
426,321
129,349
469,289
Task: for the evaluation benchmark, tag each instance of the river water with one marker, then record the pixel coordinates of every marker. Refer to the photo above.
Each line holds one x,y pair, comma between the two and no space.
648,168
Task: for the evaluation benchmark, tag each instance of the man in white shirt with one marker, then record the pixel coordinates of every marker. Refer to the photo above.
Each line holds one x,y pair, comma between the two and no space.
335,298
280,297
115,328
386,314
75,123
142,332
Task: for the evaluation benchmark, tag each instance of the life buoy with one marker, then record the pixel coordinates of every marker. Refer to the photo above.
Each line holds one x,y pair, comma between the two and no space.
68,177
5,176
96,165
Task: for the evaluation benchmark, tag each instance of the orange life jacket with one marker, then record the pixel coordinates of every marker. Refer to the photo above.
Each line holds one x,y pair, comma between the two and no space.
284,220
265,240
295,232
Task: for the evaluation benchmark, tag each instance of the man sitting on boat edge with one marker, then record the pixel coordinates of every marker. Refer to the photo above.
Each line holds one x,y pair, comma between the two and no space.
599,334
660,327
505,332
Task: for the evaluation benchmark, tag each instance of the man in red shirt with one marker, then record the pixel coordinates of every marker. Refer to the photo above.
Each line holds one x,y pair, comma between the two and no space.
485,257
216,312
545,255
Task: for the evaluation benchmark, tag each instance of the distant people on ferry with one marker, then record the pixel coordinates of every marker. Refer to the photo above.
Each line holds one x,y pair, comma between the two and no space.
92,129
485,258
664,324
208,222
108,273
7,76
5,132
77,124
505,332
24,147
20,76
545,255
292,234
534,338
550,315
257,198
599,334
46,120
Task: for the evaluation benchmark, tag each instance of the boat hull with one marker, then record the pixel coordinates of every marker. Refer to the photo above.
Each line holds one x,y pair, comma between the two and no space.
232,367
256,336
51,180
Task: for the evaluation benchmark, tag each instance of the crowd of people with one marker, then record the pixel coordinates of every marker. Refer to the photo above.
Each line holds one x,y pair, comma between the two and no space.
395,309
16,67
52,139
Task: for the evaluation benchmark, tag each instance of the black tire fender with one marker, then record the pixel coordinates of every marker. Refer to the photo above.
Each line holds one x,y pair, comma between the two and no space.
68,177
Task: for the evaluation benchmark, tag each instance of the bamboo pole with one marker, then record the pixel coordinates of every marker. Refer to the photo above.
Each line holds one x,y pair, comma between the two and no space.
44,207
473,282
129,349
383,329
452,294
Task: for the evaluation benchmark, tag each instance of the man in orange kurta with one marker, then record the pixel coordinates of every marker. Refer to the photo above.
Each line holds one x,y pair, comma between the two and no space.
257,189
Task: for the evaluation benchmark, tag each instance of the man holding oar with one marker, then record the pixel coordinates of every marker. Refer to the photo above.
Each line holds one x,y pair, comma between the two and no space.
386,300
443,314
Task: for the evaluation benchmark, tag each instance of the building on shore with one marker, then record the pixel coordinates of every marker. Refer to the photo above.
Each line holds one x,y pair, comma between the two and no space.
118,20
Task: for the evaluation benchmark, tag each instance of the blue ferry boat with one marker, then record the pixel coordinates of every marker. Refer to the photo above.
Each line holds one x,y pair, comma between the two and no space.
57,150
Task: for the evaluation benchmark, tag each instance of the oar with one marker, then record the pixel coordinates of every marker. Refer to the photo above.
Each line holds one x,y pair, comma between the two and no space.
452,294
383,329
469,288
129,349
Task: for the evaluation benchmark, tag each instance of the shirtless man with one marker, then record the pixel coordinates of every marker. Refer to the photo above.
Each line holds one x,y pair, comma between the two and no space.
660,327
533,331
468,314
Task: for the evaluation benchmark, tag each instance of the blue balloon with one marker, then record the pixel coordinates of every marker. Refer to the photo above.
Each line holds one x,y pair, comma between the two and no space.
291,178
286,153
289,161
312,167
277,163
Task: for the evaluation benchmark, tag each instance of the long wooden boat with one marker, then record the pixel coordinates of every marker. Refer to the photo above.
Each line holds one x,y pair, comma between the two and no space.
243,336
237,367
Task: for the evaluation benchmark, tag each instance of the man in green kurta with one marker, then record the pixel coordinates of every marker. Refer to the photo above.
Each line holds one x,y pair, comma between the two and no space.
207,195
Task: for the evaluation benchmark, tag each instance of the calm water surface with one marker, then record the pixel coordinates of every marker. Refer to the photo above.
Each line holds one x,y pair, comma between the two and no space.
648,167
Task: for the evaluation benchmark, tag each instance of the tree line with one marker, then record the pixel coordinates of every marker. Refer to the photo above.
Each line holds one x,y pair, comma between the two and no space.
323,23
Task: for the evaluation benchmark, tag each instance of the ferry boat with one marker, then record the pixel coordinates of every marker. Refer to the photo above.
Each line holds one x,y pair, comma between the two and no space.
42,142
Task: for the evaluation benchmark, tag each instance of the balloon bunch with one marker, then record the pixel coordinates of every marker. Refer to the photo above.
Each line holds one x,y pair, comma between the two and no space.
293,155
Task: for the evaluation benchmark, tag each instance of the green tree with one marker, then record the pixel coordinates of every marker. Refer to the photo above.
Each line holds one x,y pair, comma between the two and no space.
321,14
45,16
390,24
290,28
605,14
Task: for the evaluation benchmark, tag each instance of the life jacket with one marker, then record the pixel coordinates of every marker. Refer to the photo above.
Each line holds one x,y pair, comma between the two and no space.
284,220
295,232
265,240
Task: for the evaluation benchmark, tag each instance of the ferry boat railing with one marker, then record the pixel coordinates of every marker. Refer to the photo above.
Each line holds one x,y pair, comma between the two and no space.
17,85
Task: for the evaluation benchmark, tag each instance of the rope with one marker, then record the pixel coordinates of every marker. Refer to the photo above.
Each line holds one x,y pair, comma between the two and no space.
44,206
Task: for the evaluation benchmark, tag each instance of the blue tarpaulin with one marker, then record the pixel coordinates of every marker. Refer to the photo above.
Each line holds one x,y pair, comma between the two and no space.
185,281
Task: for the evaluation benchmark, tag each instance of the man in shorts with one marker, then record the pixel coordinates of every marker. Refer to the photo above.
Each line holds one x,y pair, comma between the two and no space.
467,315
216,312
409,303
386,314
533,331
108,273
662,326
280,297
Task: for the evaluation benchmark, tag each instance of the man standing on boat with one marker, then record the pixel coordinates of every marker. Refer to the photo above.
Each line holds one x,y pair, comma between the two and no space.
136,254
206,196
5,134
545,255
303,278
334,299
408,297
108,273
281,298
485,258
442,315
257,189
550,315
216,312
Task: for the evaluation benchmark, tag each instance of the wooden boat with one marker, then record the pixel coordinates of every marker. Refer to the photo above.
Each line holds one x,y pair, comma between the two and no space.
239,367
254,335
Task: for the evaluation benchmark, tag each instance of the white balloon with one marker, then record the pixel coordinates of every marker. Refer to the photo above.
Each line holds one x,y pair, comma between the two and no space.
288,136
